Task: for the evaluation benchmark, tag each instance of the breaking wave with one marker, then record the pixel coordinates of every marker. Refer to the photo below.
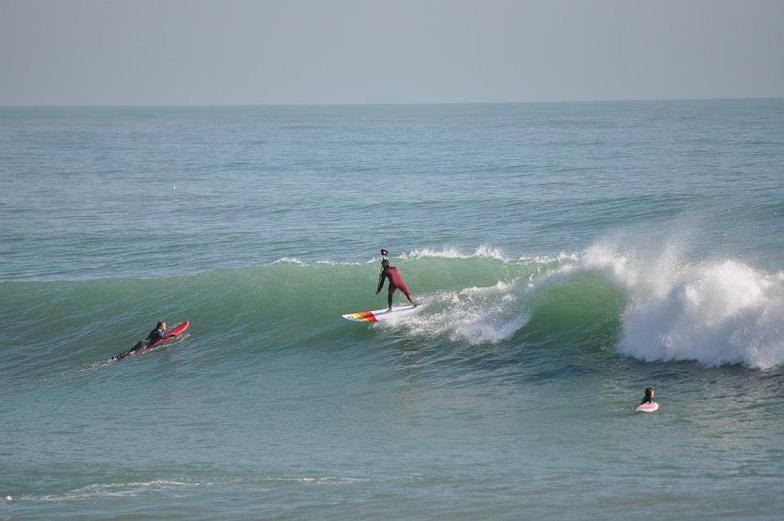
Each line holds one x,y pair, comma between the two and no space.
713,312
650,307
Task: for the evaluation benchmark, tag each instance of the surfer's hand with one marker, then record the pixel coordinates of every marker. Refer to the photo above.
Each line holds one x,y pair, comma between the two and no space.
377,292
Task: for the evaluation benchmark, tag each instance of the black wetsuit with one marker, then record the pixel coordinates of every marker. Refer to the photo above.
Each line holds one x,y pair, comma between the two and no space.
155,335
646,400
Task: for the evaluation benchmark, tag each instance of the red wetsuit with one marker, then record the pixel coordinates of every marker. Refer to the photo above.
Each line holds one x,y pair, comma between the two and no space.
395,282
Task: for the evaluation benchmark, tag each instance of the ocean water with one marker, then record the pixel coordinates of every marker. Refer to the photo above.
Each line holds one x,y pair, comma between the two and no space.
567,255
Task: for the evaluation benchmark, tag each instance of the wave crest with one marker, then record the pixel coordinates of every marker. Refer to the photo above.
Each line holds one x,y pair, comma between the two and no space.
715,313
483,251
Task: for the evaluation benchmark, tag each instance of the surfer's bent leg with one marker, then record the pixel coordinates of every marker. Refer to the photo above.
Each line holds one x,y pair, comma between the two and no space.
390,294
406,293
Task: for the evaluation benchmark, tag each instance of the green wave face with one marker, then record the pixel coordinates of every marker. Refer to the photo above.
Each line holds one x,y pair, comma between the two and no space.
476,300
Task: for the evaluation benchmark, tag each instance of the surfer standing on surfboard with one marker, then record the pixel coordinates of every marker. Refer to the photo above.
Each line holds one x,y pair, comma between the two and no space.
395,280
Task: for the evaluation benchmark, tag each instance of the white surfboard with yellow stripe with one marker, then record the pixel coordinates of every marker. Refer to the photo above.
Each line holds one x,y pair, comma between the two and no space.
378,315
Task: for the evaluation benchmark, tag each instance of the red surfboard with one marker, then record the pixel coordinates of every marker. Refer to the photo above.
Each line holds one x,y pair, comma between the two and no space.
170,335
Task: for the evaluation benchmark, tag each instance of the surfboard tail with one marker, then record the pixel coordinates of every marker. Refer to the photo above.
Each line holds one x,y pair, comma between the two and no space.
362,316
377,315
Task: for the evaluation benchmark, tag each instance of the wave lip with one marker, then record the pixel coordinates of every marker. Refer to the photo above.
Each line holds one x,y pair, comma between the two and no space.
715,313
483,251
289,260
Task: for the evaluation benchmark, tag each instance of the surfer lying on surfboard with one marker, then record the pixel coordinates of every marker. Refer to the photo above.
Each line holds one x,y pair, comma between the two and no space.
155,335
395,282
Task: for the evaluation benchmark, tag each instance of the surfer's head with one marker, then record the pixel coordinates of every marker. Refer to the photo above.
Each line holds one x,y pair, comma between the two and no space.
161,324
384,263
649,392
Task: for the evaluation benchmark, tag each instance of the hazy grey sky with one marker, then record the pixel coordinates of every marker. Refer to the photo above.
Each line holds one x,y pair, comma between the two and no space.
99,52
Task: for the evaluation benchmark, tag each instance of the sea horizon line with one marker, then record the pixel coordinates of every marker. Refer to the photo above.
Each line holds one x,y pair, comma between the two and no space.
385,104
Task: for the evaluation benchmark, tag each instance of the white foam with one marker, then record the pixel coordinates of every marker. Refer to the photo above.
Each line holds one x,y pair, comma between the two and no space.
562,258
475,315
320,480
289,260
715,313
482,315
483,251
97,490
327,262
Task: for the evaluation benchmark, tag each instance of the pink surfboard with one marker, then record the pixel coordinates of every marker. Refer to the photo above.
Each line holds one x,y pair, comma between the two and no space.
647,407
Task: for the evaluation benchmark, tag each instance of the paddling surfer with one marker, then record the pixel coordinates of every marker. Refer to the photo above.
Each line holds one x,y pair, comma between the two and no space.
395,281
156,335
